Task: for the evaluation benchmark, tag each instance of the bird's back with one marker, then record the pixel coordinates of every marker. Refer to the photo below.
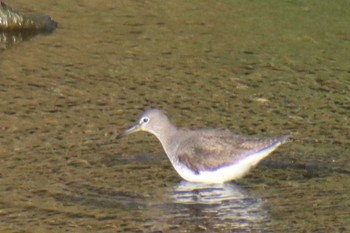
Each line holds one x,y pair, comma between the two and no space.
207,149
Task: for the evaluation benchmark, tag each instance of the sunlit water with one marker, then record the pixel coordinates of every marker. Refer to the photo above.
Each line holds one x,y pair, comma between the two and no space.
262,68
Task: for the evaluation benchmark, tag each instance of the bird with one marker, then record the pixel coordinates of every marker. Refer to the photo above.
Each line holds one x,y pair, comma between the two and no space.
205,155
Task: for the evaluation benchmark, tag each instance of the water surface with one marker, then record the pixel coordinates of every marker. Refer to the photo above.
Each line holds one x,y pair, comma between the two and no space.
259,68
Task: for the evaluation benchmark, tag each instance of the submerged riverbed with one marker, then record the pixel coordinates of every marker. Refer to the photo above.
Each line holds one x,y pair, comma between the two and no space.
259,68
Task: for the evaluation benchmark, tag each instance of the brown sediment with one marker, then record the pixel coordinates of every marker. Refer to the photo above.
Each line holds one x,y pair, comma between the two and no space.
206,64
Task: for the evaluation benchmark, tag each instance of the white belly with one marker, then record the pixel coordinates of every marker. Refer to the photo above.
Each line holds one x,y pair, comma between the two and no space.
226,173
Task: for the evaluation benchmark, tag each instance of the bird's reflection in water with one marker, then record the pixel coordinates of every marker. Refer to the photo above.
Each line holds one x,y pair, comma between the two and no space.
219,206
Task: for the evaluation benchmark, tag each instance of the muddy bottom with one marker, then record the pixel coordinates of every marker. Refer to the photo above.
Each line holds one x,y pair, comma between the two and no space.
264,69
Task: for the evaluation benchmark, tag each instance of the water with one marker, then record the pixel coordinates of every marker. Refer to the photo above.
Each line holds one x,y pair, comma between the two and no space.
263,68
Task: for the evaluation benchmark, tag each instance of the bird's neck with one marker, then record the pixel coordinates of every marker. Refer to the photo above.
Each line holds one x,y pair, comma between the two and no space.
166,135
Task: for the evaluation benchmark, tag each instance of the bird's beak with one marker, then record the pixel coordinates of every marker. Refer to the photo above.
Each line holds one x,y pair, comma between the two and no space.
130,130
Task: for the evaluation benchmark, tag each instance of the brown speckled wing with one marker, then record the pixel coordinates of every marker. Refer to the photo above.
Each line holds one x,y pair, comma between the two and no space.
209,150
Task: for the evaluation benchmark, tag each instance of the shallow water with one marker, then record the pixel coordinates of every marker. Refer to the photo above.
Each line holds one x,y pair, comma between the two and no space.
261,68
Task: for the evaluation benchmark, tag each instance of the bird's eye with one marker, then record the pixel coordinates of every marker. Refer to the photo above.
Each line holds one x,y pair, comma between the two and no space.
145,120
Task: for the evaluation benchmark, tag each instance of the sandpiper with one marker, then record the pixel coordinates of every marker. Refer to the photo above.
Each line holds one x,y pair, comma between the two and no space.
205,155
